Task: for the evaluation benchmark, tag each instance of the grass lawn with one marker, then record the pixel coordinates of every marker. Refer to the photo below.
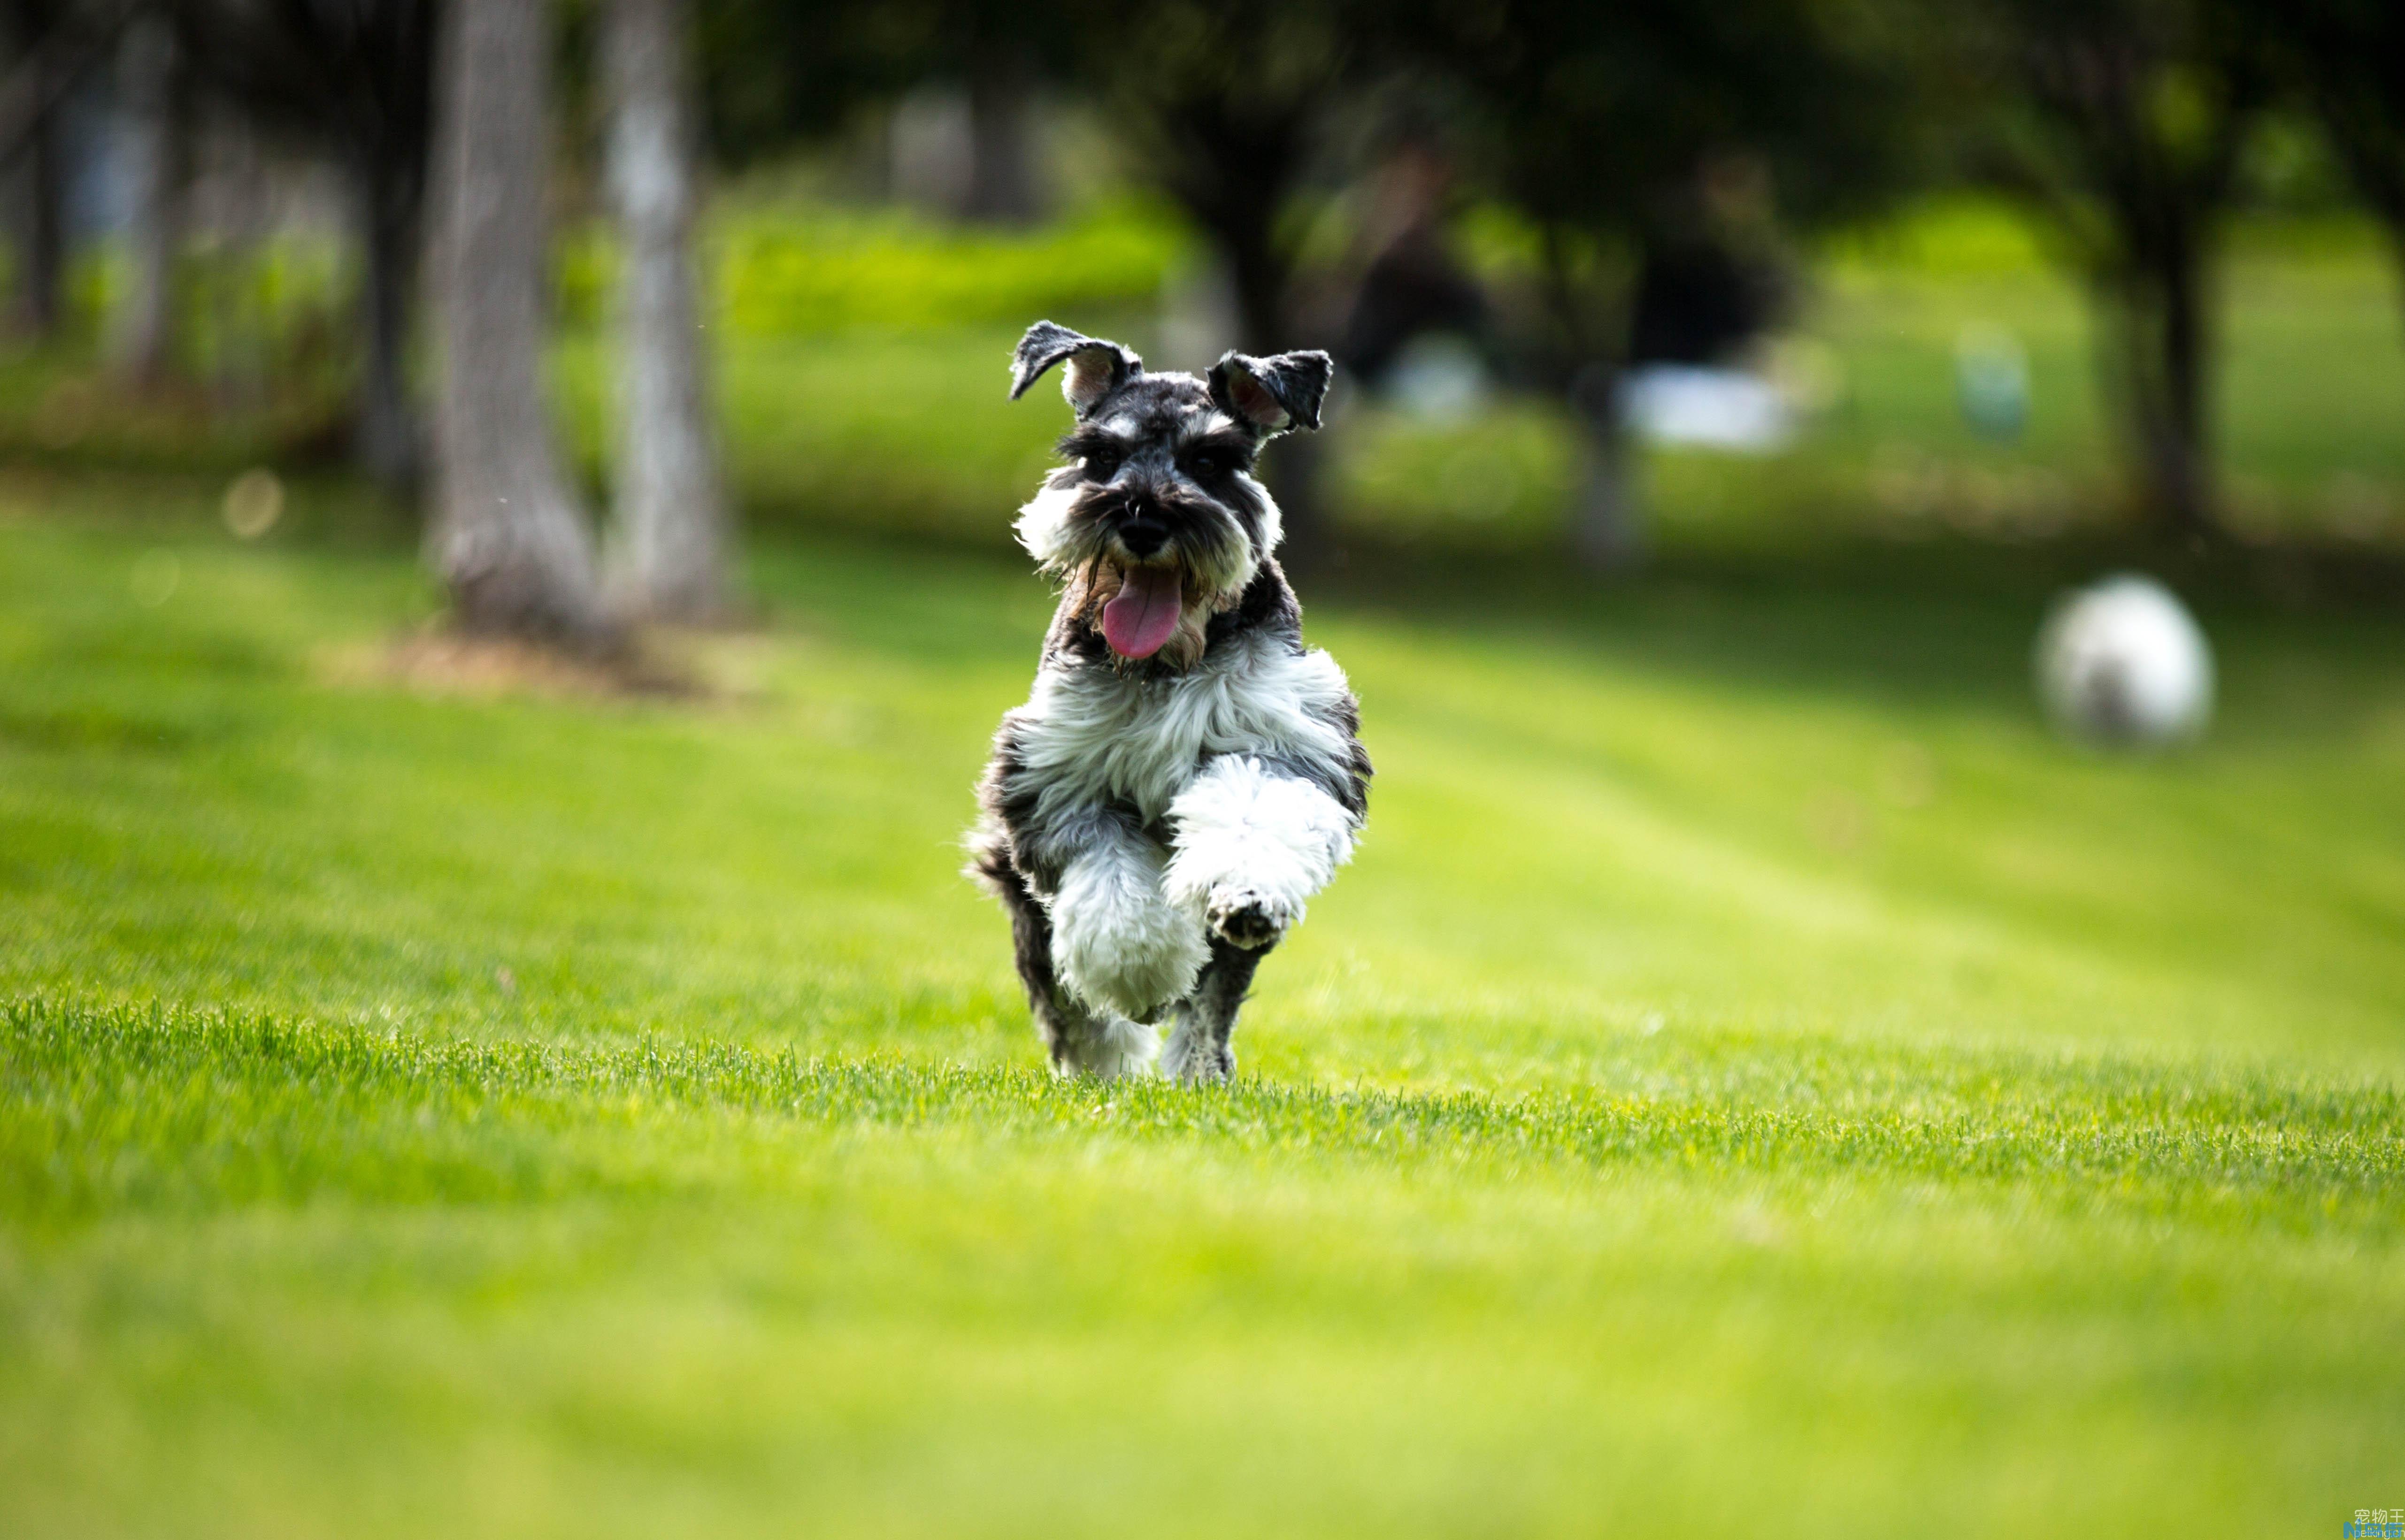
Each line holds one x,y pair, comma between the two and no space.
1750,1078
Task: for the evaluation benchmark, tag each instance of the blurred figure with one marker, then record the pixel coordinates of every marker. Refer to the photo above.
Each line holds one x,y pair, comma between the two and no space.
1699,303
974,151
1411,284
1992,382
1709,288
1651,129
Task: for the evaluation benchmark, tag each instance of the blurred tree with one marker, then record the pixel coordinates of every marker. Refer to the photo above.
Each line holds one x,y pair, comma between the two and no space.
357,74
1219,103
43,46
777,71
781,72
2122,122
2349,58
1216,102
508,536
153,90
1213,101
1633,135
1005,184
669,503
1407,279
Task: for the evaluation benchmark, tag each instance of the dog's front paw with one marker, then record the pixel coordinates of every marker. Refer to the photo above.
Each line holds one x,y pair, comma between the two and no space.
1243,918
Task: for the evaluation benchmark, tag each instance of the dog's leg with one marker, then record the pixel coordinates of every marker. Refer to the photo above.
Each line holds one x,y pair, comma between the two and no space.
1199,1050
1118,943
1080,1041
1031,934
1253,845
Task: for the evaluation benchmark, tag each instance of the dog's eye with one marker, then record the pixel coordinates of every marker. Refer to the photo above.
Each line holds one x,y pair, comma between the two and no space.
1102,464
1212,462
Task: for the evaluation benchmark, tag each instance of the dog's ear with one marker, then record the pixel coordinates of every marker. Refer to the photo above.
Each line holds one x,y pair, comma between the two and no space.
1274,394
1096,367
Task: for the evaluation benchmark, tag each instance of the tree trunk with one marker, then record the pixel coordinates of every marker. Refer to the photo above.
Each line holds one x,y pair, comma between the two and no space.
2184,481
142,327
239,362
671,512
41,68
42,235
2163,325
1607,516
1002,185
1607,522
507,536
391,195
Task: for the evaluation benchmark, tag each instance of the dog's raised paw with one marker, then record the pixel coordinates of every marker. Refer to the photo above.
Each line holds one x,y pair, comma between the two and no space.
1245,918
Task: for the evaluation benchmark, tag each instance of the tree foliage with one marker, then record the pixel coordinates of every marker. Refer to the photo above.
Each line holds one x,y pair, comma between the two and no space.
2348,59
777,72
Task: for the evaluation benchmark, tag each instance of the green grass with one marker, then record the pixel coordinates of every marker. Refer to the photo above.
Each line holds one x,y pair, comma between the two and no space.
1751,1075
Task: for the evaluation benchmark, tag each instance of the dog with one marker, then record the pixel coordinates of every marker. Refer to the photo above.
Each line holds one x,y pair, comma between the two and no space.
1185,775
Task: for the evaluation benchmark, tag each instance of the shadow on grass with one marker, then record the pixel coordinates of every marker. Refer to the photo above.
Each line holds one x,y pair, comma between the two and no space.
2305,634
1944,625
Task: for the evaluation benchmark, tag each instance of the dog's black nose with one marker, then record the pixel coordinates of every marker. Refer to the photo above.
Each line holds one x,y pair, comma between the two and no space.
1143,535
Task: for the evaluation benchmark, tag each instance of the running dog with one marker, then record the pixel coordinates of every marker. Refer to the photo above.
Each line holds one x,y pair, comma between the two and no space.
1186,774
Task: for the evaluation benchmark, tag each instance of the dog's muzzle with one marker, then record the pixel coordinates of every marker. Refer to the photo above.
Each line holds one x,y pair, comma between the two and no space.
1143,533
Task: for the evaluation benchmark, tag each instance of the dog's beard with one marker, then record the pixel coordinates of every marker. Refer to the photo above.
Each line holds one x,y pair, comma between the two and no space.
1129,601
1103,585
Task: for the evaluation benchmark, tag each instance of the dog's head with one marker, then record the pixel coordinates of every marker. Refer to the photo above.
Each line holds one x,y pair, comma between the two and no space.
1156,523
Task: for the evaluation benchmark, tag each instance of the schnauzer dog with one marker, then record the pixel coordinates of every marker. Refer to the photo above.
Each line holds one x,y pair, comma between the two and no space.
1185,775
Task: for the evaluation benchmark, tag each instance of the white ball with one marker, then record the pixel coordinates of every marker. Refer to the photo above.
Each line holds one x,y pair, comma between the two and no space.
2124,662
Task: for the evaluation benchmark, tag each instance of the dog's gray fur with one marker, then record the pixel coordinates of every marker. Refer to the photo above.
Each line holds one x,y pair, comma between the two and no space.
1155,825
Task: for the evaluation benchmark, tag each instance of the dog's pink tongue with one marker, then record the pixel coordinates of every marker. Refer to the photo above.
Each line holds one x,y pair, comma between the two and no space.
1140,622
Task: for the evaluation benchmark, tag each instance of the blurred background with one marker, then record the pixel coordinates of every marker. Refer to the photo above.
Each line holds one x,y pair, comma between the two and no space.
1637,285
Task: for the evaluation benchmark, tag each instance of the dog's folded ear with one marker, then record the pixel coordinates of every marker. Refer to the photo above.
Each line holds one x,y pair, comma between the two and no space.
1273,394
1096,367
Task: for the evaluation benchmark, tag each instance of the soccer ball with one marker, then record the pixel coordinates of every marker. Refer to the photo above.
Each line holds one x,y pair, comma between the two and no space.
2123,663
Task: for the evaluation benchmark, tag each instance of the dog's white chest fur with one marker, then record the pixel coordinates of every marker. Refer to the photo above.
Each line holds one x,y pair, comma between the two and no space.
1089,736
